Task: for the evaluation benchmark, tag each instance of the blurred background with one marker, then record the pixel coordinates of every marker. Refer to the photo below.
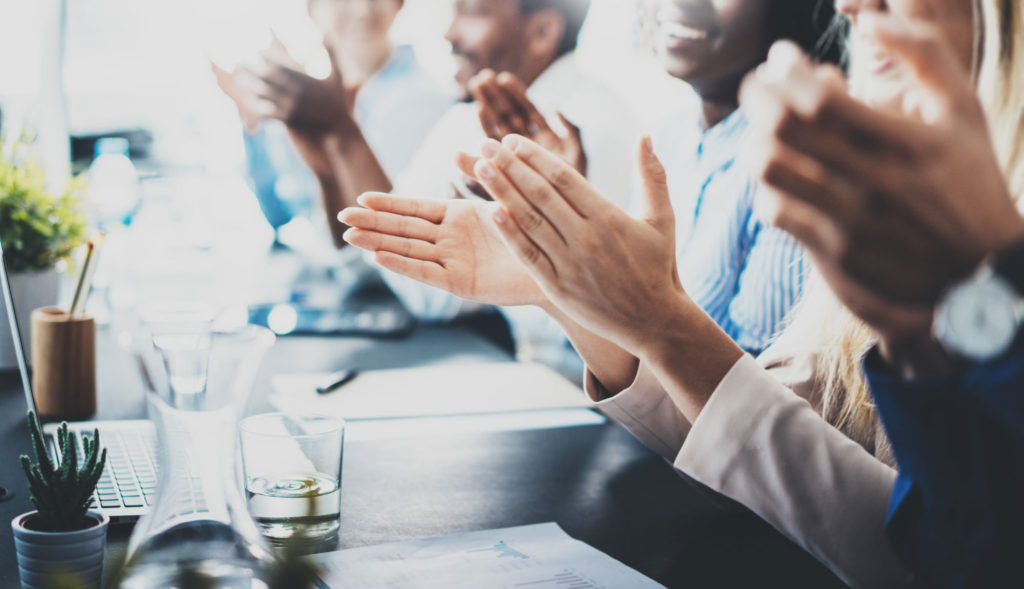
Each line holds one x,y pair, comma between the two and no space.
139,68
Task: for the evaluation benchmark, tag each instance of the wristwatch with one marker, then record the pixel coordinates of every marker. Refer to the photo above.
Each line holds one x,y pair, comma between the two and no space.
979,318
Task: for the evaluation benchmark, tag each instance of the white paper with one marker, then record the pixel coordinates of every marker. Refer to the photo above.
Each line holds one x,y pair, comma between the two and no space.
444,389
539,556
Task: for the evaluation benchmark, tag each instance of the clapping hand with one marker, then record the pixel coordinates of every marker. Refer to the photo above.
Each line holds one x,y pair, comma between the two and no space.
505,109
613,274
452,245
894,207
306,104
238,89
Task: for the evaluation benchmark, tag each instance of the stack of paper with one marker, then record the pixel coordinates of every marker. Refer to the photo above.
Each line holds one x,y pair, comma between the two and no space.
540,556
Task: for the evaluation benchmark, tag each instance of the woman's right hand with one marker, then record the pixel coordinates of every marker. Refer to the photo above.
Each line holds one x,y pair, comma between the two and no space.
452,245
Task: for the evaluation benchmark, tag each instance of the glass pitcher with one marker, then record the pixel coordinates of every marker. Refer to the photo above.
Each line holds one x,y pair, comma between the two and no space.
198,532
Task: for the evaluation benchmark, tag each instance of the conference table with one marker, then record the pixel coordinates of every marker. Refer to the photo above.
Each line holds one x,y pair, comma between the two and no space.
595,480
428,477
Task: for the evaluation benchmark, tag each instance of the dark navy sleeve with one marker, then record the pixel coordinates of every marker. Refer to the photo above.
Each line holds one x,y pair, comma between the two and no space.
955,512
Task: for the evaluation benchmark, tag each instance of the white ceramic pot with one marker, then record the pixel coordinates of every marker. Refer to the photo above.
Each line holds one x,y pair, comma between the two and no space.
29,290
43,555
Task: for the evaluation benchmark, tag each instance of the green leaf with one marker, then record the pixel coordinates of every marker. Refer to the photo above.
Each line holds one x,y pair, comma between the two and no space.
39,228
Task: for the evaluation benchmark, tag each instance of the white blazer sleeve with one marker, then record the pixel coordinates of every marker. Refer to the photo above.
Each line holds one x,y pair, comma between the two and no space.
763,445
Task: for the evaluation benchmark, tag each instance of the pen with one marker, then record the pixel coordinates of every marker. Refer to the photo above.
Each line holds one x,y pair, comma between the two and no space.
338,380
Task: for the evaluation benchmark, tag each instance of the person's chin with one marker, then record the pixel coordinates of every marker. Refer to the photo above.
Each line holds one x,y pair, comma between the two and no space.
886,92
462,77
681,67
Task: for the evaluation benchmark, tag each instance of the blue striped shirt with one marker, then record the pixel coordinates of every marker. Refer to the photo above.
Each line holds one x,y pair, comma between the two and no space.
743,272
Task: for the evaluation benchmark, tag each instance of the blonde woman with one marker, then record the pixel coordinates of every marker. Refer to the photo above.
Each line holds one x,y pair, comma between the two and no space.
934,266
683,387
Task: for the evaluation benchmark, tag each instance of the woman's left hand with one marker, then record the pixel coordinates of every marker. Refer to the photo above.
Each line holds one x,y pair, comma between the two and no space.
611,273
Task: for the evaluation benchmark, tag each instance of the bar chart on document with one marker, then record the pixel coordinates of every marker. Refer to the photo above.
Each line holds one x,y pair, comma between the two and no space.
540,556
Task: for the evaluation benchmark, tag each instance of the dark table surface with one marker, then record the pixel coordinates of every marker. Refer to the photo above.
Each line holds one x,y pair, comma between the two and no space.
596,481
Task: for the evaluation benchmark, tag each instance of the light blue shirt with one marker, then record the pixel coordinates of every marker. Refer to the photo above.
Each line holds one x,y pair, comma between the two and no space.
743,272
396,109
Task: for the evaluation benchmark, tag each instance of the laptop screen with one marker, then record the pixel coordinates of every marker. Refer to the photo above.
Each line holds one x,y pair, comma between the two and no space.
12,319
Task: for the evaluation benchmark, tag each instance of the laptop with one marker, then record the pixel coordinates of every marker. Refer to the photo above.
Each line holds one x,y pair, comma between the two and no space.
128,484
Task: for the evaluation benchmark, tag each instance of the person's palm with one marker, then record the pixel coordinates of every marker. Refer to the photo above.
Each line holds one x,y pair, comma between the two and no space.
452,245
478,264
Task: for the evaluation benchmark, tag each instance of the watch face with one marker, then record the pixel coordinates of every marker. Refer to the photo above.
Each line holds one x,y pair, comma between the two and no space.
978,319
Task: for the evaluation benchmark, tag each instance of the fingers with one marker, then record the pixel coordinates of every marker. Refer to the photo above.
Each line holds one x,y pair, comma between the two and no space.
567,182
536,126
430,273
426,209
497,113
658,205
536,260
332,55
574,131
815,230
803,178
929,56
466,164
389,224
791,104
508,180
403,246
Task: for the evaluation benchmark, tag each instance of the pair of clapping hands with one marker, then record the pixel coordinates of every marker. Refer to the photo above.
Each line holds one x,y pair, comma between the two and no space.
891,218
278,87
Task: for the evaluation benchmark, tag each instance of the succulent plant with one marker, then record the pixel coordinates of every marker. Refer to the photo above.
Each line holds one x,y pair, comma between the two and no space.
61,493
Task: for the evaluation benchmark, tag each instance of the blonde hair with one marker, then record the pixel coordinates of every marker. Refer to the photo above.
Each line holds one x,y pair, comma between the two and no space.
999,70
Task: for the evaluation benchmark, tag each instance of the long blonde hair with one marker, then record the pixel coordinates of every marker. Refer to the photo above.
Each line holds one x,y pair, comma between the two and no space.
999,71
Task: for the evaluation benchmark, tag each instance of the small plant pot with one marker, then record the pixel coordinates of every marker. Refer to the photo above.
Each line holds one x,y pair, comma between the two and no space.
44,557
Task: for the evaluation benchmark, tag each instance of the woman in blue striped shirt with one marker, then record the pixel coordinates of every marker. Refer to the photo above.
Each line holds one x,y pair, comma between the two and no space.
744,273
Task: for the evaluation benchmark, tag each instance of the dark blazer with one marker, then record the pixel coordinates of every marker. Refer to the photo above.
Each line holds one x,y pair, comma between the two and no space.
956,515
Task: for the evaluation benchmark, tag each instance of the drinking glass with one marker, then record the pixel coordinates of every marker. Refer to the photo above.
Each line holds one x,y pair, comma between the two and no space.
292,469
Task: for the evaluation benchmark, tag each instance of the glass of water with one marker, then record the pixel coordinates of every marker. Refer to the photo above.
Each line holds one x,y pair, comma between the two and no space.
292,467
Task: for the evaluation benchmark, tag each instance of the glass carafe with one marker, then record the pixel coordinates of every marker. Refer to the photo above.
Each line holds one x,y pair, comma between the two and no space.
198,531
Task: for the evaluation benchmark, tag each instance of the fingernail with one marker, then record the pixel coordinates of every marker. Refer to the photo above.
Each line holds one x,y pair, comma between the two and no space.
486,171
511,142
490,148
648,145
500,217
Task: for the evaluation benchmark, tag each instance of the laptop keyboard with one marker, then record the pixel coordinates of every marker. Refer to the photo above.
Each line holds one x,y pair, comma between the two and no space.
130,475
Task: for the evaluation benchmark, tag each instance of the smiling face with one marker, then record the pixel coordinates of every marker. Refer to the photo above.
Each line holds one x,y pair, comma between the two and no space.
879,77
710,44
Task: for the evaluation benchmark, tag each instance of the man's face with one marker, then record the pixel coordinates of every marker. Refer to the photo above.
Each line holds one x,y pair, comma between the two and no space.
485,34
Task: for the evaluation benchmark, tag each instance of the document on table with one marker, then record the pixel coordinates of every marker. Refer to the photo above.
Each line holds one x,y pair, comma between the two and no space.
540,556
444,389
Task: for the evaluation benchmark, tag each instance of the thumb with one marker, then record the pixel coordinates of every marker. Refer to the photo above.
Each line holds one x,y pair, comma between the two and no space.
573,130
332,55
276,44
923,50
657,204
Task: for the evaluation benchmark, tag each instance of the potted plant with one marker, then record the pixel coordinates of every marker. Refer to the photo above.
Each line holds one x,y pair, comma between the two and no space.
39,232
61,538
